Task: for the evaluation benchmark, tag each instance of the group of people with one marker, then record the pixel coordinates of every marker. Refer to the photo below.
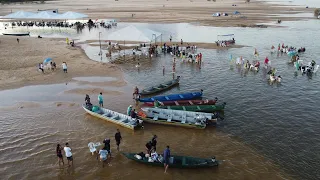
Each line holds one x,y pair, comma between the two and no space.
152,155
103,154
225,43
50,66
132,112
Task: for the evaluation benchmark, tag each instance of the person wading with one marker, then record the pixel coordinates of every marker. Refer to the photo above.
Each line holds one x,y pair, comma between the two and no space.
118,138
68,152
59,154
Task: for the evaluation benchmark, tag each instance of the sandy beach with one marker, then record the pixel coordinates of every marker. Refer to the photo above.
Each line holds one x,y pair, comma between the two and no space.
172,11
19,63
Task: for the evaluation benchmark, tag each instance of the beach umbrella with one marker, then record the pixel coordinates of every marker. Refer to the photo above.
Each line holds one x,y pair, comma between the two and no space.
47,60
236,13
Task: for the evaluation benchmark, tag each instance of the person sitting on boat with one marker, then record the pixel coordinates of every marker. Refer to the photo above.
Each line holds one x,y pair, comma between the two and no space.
156,103
129,110
133,114
313,63
154,156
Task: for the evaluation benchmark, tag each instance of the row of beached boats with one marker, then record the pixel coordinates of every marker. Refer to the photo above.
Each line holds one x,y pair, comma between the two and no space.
184,110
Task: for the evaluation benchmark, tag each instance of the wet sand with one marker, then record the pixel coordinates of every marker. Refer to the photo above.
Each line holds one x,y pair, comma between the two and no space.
172,11
19,63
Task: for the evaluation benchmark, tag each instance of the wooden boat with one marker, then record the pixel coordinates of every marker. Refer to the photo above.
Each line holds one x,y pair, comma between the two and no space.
187,119
178,161
197,108
173,97
17,34
160,87
184,103
114,117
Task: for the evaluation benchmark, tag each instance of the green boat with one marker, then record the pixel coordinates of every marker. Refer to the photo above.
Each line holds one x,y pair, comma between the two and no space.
197,108
161,87
178,161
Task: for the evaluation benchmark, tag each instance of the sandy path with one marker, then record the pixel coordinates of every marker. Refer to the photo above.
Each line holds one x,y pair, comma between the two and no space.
19,63
199,11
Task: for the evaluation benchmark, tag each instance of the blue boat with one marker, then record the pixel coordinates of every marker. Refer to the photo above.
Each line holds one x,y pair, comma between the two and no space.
174,97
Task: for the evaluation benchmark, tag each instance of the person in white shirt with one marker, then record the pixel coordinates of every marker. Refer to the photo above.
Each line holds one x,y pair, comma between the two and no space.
68,152
103,156
64,67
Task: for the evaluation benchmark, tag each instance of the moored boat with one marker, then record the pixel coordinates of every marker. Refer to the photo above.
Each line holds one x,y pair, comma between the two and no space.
176,161
160,87
185,102
197,108
16,34
173,97
188,119
114,117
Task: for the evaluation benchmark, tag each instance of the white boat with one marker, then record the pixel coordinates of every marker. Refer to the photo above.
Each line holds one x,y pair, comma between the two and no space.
114,117
176,117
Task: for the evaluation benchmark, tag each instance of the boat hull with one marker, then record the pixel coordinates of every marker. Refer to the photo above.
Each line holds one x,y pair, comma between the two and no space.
178,161
132,127
173,97
198,108
160,87
16,34
183,103
178,124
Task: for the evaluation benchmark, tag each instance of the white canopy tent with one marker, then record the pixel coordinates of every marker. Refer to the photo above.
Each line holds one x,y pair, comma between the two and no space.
19,15
45,15
72,15
132,33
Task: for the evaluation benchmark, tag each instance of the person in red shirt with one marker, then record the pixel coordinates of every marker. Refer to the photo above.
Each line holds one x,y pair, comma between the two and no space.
266,61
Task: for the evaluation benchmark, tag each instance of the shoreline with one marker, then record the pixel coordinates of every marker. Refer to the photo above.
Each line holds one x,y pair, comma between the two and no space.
175,11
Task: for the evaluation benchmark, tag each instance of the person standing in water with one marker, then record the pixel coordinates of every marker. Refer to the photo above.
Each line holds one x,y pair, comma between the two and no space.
118,138
135,92
18,40
59,154
163,70
166,158
107,146
100,99
68,152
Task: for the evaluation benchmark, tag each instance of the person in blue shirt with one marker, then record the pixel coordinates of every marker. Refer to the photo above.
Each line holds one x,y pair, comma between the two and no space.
166,157
100,99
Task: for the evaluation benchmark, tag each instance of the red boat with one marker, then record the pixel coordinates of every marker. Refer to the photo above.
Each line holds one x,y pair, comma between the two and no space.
184,103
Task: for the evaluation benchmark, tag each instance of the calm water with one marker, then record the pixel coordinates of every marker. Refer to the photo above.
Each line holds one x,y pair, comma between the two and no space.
269,131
